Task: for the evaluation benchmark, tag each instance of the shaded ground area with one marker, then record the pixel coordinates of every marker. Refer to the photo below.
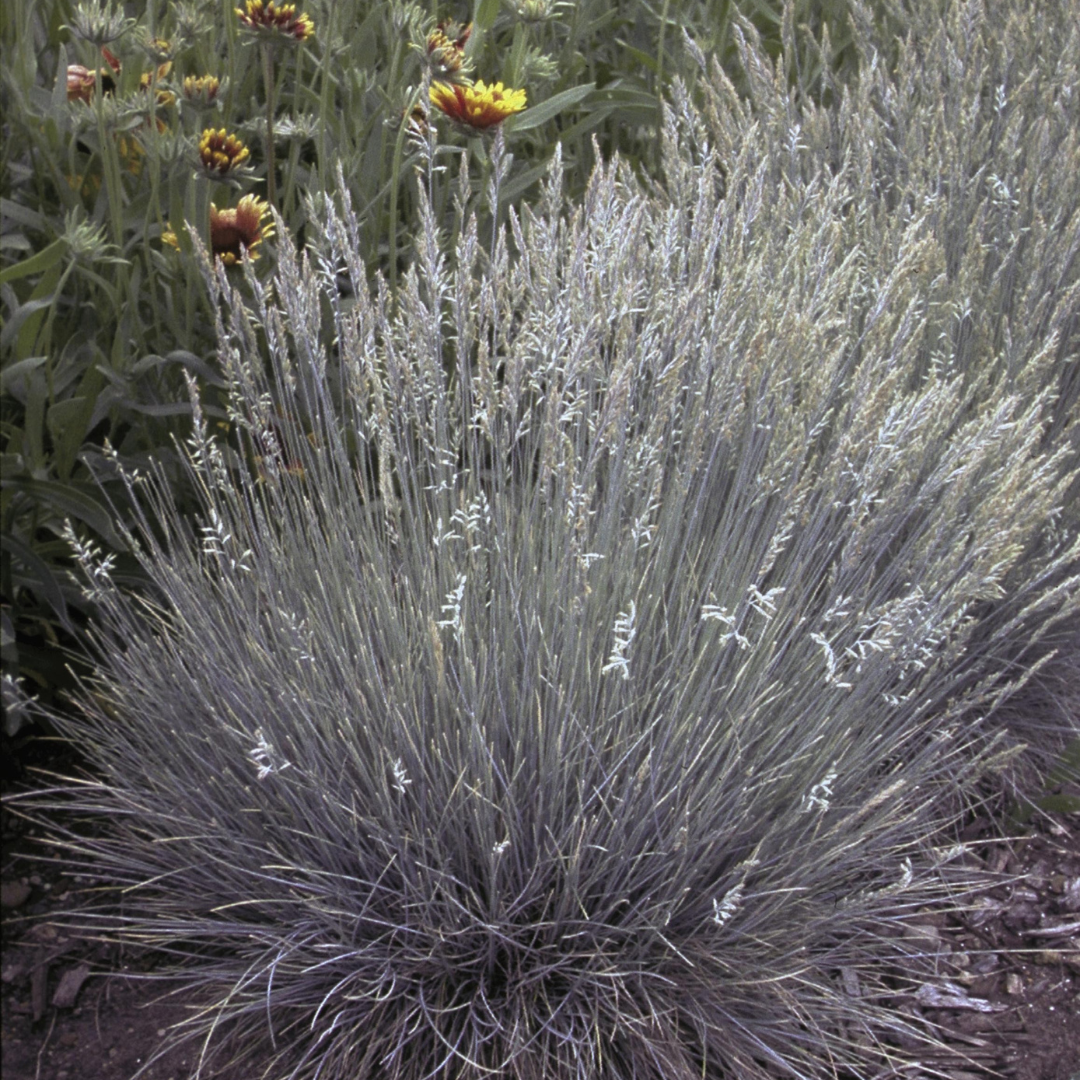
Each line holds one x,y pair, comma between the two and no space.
77,1010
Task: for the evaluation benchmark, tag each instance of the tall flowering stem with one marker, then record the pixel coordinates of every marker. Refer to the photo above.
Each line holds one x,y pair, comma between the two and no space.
272,25
268,80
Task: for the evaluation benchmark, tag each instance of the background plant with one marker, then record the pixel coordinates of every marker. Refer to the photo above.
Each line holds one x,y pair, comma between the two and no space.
580,657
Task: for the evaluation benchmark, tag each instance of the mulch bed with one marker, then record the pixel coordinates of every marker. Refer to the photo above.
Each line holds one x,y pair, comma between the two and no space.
78,1010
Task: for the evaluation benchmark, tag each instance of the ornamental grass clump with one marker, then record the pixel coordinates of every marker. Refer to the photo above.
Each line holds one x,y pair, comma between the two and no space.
581,656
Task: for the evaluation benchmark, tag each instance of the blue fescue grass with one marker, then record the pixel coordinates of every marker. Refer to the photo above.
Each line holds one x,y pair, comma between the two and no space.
582,656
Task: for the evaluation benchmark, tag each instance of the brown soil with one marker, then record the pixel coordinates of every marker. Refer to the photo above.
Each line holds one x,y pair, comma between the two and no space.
78,1010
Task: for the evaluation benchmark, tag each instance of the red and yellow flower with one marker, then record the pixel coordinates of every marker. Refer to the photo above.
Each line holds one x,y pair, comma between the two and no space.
201,90
221,154
477,105
81,81
236,233
446,51
275,19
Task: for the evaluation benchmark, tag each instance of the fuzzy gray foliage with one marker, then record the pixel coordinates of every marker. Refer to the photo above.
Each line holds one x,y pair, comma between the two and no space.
580,659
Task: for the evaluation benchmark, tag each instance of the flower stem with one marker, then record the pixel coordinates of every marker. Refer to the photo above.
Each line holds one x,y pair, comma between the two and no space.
271,165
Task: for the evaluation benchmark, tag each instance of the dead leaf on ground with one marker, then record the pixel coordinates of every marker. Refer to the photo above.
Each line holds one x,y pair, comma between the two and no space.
70,985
